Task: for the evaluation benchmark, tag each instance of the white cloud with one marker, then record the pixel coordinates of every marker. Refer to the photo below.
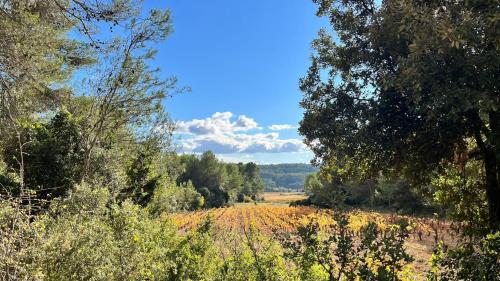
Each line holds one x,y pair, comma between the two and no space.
219,122
280,127
244,123
224,136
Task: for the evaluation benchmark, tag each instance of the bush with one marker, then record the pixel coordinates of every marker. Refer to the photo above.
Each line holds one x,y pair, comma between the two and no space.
172,198
90,240
325,252
253,256
87,237
470,260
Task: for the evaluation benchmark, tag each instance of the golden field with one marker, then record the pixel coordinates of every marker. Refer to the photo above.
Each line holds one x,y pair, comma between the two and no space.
283,197
274,219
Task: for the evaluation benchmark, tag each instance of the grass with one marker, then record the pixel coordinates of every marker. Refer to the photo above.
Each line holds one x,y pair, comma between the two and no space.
283,197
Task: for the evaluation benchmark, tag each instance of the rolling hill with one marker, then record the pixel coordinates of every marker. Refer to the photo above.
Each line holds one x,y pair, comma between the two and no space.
285,177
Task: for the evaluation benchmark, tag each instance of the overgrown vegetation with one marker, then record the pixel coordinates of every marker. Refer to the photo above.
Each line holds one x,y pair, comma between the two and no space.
408,119
402,111
388,195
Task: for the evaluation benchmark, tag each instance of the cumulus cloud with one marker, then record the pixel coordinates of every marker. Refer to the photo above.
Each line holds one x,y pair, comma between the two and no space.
280,127
224,133
219,122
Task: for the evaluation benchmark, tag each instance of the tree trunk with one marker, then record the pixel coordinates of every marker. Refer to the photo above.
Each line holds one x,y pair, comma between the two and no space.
490,151
492,168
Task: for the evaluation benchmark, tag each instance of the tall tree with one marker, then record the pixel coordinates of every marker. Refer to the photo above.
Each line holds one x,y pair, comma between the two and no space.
253,184
38,58
403,85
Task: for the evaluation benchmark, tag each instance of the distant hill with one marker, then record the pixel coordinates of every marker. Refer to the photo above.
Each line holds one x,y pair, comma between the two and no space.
285,177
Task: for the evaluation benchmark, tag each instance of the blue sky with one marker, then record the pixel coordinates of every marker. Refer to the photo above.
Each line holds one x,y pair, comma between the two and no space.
242,60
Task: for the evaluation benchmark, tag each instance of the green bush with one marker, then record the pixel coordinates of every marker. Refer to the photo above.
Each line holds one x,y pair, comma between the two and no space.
253,256
172,198
470,260
91,241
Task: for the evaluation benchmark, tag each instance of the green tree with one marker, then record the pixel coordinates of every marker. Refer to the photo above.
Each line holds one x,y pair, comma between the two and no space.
235,181
252,182
142,181
404,87
53,156
323,192
208,175
169,198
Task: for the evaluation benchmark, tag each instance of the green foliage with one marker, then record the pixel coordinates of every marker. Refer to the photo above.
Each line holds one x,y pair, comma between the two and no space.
17,238
117,243
253,256
98,156
170,198
142,181
208,176
92,240
252,182
404,88
218,182
323,193
387,194
196,256
37,58
285,176
235,181
398,195
98,127
334,253
471,260
460,190
53,156
87,237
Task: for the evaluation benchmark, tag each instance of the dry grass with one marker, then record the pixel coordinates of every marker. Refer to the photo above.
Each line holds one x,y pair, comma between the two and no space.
283,197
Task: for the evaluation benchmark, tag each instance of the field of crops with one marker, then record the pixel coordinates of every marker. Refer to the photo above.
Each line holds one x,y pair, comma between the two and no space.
273,219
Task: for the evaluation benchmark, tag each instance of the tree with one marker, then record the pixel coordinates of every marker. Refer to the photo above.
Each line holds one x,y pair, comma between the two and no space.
408,84
53,156
323,192
38,58
252,182
235,181
220,182
208,175
142,181
130,92
35,60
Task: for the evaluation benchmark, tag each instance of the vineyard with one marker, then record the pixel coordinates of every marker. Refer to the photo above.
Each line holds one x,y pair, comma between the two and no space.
272,219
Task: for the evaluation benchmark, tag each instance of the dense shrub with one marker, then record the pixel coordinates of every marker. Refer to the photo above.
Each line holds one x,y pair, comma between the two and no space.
470,260
89,240
87,237
253,256
172,198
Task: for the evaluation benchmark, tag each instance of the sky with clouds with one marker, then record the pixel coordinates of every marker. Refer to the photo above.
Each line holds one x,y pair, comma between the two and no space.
243,61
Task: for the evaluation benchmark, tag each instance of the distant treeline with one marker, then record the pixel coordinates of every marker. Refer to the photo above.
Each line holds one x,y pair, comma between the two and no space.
280,177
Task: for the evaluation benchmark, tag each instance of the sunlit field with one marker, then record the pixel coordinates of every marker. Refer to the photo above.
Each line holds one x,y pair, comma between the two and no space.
277,219
283,197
